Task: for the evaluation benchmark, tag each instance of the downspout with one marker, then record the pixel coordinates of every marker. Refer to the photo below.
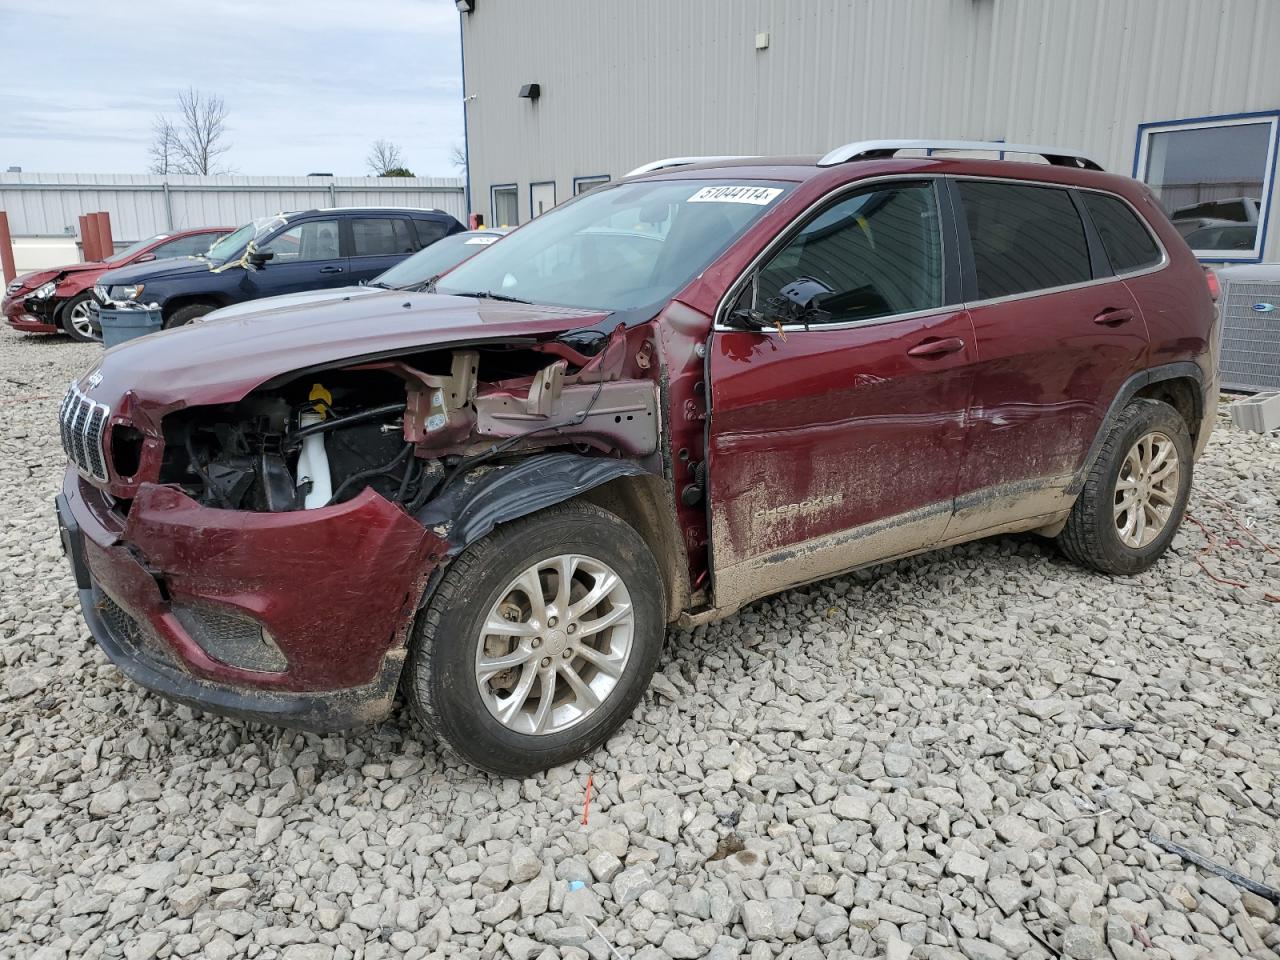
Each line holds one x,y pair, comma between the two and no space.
466,138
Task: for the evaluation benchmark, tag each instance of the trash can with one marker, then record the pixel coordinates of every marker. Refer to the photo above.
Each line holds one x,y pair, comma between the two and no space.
126,323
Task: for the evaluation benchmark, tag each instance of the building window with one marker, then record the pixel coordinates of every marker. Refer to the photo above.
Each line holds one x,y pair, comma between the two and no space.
1213,176
506,206
584,184
542,197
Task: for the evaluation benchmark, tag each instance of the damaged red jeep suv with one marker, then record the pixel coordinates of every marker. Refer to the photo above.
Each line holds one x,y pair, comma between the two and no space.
700,385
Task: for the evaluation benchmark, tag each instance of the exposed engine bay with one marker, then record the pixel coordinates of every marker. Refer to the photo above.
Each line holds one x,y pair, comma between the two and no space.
407,426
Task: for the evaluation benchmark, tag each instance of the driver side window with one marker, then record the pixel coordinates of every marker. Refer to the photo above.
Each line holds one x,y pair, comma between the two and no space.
877,252
312,240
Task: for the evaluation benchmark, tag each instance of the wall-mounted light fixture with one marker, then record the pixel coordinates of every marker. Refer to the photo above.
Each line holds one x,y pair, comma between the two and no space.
531,91
466,6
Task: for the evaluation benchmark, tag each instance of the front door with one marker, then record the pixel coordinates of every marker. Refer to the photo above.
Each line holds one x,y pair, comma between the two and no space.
305,256
1057,338
836,442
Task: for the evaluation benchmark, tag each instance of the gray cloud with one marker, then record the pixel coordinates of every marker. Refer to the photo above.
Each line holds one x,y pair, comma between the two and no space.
309,84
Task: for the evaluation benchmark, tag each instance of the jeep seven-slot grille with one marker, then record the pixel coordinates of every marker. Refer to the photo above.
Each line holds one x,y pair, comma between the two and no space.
83,424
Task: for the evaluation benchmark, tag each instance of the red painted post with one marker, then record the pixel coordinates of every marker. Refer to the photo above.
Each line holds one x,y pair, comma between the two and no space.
91,237
6,249
105,245
88,239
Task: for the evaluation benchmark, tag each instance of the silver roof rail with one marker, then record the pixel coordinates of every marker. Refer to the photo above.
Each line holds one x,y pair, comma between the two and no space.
878,149
678,162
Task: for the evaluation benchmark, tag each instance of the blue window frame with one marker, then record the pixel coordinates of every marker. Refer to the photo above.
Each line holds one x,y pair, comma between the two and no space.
535,195
1214,176
504,205
583,184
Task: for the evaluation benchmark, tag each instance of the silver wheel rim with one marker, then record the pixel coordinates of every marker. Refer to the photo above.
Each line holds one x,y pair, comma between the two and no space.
1146,489
79,317
555,645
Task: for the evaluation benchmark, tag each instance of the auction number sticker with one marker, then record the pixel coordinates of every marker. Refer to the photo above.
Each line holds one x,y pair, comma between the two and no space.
760,196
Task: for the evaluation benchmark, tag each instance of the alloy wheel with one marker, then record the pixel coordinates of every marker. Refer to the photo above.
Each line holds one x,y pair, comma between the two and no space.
79,318
1146,490
554,646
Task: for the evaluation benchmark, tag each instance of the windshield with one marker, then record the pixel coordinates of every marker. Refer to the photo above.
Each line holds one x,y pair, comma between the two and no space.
618,248
233,243
133,248
443,255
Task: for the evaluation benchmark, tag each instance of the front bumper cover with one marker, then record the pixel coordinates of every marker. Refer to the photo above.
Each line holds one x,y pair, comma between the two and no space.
20,316
336,589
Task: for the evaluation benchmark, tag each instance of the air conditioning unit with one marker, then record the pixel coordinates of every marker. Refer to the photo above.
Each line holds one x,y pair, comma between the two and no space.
1250,306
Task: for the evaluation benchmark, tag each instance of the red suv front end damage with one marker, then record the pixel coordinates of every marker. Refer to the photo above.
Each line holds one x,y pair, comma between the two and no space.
213,570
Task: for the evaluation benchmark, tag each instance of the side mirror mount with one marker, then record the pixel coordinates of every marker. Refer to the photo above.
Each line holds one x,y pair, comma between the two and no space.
259,258
798,301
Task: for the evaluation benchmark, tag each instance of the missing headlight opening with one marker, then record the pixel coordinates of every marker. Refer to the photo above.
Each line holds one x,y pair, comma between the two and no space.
405,427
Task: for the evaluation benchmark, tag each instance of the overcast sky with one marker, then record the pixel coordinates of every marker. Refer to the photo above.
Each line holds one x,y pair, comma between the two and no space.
309,83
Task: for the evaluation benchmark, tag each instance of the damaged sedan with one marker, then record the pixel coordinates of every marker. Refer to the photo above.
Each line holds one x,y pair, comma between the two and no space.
666,398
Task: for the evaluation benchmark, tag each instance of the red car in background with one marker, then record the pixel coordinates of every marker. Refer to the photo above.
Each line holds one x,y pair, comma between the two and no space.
56,299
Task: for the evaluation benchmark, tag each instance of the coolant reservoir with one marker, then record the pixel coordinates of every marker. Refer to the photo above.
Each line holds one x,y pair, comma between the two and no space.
313,464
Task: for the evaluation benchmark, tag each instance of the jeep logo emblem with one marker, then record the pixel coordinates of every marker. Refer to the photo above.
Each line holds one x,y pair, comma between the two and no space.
93,380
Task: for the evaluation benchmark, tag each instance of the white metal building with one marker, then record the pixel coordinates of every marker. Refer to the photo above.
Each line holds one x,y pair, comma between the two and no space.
561,95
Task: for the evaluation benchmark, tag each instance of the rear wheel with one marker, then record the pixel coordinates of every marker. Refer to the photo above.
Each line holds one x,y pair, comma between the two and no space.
539,641
1136,493
184,315
74,318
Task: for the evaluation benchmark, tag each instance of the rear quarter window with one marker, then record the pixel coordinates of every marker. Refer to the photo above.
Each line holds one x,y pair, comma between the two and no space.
429,231
1127,241
1024,238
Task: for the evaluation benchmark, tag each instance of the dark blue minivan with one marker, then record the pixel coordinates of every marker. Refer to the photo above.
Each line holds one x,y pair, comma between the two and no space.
287,253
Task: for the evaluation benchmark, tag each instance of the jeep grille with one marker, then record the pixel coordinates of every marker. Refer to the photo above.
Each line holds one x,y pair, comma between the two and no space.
83,424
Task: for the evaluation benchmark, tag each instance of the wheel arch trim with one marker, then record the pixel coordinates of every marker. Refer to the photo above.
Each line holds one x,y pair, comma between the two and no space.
1179,370
473,507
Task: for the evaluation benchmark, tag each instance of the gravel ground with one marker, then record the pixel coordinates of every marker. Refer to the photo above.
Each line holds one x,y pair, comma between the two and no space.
957,756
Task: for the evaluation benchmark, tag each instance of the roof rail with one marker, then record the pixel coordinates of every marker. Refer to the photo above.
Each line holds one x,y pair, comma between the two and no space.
878,149
678,162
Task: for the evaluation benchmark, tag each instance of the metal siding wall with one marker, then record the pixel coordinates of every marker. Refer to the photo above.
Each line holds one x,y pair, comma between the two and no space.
626,82
49,204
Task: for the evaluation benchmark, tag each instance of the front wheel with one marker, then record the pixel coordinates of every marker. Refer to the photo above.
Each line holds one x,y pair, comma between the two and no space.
1135,494
539,641
74,318
184,315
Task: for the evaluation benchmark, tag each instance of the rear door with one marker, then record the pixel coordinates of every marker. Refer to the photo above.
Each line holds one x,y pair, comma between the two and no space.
1057,335
306,255
378,243
838,442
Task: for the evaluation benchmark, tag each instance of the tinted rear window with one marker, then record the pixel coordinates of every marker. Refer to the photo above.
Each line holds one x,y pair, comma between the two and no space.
373,238
1128,243
1024,238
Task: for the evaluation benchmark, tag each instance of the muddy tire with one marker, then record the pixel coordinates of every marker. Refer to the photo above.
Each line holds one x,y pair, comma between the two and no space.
539,641
184,315
1135,494
73,318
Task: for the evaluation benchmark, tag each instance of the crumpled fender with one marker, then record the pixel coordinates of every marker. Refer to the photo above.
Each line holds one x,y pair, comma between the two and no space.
473,505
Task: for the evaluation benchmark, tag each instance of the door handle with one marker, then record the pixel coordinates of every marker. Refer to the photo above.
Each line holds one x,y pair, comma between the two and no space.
330,269
936,348
1113,316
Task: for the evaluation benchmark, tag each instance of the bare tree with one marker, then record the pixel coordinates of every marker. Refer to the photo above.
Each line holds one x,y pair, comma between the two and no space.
384,159
458,156
164,146
202,130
